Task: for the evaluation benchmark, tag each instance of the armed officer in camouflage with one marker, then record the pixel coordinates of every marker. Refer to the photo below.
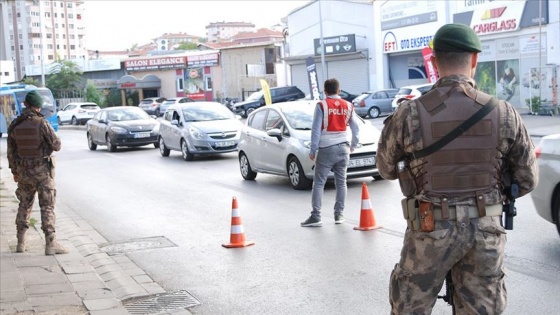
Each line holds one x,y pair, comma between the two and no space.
31,141
454,203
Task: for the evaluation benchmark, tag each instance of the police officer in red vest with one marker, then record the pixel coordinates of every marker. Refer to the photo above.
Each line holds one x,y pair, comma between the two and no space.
330,149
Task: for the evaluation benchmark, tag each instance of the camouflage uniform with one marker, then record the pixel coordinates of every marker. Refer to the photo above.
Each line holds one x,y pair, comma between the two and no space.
472,248
35,175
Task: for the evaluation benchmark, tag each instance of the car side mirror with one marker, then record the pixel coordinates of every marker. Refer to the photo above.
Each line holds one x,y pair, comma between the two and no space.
102,121
275,132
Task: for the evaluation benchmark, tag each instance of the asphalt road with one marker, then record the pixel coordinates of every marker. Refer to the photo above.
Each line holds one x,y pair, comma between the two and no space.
136,193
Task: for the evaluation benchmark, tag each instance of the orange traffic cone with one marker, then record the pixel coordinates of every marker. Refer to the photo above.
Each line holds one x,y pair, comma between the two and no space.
367,218
237,238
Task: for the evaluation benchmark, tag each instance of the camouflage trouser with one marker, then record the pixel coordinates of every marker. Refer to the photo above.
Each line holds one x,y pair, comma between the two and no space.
473,249
38,180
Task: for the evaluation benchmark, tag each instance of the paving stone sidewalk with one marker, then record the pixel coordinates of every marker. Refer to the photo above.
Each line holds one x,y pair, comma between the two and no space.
85,281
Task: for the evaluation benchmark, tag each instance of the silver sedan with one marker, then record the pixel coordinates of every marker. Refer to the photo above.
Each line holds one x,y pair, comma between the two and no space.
199,128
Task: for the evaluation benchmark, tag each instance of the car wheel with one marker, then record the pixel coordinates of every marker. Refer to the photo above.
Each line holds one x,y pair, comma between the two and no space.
163,150
74,121
187,156
373,112
157,113
556,211
297,176
59,121
378,177
92,146
110,146
245,168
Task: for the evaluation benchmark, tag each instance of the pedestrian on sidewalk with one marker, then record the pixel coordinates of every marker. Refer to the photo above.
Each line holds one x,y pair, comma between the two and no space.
330,149
31,142
455,188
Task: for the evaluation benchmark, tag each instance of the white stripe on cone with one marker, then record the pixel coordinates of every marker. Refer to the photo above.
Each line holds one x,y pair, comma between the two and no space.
366,204
237,229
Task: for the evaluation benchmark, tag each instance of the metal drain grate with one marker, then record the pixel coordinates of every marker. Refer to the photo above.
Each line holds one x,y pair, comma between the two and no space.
137,244
164,302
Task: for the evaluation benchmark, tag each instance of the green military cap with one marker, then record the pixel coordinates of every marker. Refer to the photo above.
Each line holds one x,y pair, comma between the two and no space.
34,99
456,37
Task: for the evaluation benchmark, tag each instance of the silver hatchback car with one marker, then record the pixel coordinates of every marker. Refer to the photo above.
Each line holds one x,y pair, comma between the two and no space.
199,128
276,140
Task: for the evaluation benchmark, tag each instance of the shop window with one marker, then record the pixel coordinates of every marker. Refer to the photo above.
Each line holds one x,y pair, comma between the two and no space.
208,83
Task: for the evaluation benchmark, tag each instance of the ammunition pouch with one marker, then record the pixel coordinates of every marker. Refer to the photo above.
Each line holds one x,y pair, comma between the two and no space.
410,213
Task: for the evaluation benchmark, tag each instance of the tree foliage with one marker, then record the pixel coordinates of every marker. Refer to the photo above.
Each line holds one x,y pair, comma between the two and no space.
93,95
187,46
113,98
65,76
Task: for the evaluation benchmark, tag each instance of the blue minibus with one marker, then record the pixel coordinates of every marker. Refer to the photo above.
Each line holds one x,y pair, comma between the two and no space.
11,104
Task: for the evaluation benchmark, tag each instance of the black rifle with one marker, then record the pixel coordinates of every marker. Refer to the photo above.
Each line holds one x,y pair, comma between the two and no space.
449,290
511,191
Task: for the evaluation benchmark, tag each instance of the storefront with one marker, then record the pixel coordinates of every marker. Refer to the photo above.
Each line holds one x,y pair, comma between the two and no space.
181,75
342,61
514,63
406,27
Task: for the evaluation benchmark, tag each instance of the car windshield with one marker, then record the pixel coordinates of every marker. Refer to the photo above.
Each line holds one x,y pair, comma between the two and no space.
299,118
126,114
206,112
255,96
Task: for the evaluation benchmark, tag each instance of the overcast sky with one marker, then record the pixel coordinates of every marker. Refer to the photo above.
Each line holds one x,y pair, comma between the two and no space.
118,25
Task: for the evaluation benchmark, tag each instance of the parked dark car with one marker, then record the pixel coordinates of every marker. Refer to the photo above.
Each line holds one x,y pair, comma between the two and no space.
127,126
151,105
256,100
347,96
374,103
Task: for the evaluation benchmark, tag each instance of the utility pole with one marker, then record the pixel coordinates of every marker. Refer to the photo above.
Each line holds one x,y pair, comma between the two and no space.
38,2
323,65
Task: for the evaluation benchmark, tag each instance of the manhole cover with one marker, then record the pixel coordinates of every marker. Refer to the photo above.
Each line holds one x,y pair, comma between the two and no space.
164,302
137,244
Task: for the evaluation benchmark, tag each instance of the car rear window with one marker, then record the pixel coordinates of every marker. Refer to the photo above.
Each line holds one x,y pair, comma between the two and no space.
362,96
146,102
90,107
404,91
392,93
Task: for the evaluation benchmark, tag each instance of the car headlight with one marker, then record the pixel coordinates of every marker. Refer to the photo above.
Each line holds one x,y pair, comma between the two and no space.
118,129
196,133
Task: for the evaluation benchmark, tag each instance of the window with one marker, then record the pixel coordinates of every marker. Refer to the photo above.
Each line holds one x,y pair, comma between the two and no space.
20,36
13,48
20,47
55,25
72,46
257,120
11,37
274,120
70,15
47,14
51,57
72,36
62,15
57,46
49,35
71,26
69,5
63,36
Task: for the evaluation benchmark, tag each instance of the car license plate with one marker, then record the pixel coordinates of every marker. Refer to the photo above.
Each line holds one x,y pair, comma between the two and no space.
224,144
361,162
141,135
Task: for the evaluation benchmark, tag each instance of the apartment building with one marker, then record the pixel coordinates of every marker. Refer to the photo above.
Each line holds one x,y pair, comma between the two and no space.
222,31
28,24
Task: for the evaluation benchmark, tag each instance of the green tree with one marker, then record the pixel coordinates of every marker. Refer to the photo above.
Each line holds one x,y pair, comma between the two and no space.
64,77
93,95
113,98
134,47
32,81
187,46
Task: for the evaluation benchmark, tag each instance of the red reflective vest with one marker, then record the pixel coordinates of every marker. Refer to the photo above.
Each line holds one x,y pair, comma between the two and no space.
336,114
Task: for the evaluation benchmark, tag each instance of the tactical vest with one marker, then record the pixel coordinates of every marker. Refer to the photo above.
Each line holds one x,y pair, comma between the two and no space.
28,138
469,165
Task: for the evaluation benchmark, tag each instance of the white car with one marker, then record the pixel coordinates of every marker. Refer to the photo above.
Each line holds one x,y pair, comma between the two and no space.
546,196
410,92
276,140
77,113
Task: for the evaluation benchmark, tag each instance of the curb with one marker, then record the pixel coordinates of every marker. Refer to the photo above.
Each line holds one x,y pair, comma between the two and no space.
85,281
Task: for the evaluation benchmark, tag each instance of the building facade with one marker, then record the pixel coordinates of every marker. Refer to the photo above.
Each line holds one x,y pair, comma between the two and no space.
56,26
519,38
221,31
